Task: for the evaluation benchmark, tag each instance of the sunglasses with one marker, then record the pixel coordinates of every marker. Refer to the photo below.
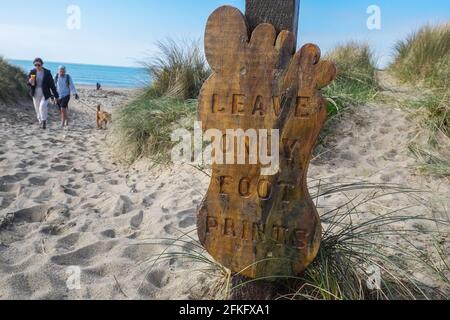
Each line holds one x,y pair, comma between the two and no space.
38,65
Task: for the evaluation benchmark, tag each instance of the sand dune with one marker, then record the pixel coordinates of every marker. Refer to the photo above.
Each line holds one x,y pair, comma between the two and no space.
64,204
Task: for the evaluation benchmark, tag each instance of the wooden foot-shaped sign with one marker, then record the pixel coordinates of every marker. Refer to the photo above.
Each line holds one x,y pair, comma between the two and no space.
255,221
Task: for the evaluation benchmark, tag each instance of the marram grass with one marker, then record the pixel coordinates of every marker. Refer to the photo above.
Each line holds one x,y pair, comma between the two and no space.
178,71
352,247
424,56
143,128
356,81
432,163
424,59
12,82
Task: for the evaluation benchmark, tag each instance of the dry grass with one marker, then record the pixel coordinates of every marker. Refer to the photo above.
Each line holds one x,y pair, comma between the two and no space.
424,59
424,56
432,163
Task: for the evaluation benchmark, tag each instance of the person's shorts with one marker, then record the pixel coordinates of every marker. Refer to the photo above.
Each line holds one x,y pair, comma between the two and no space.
64,102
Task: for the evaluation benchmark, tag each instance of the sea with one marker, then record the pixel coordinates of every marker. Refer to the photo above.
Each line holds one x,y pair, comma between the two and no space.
85,74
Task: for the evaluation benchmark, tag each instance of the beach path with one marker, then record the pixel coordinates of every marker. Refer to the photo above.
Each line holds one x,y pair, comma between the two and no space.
66,210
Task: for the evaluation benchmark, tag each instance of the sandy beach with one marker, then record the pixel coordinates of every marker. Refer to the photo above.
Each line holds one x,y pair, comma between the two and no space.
65,203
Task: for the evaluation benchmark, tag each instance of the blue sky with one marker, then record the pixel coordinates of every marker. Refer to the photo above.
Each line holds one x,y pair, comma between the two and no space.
118,32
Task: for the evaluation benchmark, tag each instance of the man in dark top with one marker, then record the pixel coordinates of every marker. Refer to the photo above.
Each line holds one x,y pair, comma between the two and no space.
42,88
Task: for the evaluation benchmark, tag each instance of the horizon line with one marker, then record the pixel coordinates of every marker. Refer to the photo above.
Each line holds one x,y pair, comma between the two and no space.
79,63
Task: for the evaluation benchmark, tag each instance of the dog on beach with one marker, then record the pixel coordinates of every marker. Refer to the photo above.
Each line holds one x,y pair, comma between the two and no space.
103,118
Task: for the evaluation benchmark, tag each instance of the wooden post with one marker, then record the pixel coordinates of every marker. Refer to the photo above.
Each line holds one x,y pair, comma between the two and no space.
260,221
282,14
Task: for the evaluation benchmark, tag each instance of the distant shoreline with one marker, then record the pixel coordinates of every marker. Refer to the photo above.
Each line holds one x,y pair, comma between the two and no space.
110,88
77,63
89,75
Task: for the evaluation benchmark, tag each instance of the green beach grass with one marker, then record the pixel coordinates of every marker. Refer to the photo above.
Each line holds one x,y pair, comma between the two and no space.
356,81
178,73
12,82
352,250
423,59
144,126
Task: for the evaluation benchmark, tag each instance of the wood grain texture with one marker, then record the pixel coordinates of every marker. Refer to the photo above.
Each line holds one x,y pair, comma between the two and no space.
282,14
259,225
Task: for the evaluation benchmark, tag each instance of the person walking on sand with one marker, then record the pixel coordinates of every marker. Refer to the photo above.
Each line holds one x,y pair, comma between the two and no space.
65,87
42,88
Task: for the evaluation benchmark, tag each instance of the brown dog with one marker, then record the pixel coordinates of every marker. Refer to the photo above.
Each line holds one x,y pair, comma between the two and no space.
102,118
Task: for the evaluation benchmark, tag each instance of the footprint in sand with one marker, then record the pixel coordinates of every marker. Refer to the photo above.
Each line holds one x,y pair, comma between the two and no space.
148,201
7,200
122,206
140,253
187,222
38,181
21,165
136,221
61,168
89,177
66,158
70,192
83,256
19,284
14,178
31,215
85,227
96,272
52,229
158,278
68,241
9,187
113,182
187,218
110,233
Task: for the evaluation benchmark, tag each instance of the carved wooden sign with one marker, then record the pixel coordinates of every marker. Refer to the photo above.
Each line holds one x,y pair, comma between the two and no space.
262,225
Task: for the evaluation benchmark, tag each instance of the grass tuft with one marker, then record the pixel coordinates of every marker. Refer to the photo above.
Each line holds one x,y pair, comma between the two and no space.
143,128
424,58
432,163
178,71
357,244
356,81
12,82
